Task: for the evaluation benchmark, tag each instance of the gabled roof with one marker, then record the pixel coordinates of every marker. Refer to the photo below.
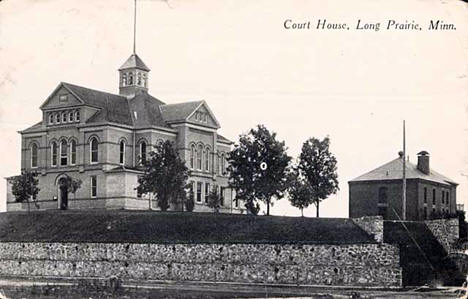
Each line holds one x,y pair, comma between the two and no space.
33,128
113,108
179,111
224,139
134,62
145,111
393,170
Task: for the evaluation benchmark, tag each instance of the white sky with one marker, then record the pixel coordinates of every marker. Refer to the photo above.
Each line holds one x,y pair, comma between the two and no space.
355,86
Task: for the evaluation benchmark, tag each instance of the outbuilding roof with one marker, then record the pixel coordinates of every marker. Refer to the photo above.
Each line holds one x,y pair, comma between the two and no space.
393,170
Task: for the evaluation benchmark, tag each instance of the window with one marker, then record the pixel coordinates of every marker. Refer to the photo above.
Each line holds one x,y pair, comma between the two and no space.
51,118
64,117
57,118
199,192
63,98
122,153
207,159
448,197
93,186
72,152
63,153
383,198
139,78
199,157
145,80
443,196
54,153
130,78
433,196
143,152
425,195
34,155
425,212
192,156
207,191
94,150
124,79
221,195
70,117
77,115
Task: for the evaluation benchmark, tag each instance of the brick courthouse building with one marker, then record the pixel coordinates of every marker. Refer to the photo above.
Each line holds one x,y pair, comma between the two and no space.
100,138
379,192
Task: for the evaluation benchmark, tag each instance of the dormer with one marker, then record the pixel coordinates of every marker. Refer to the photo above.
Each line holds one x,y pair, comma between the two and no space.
133,77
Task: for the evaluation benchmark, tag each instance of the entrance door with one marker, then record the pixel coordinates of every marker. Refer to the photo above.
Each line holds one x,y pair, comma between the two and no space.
63,196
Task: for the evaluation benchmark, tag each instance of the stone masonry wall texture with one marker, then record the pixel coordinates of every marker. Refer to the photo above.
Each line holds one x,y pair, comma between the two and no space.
372,225
446,231
347,265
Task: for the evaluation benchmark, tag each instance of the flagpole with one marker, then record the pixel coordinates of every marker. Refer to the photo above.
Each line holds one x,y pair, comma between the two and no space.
134,26
404,172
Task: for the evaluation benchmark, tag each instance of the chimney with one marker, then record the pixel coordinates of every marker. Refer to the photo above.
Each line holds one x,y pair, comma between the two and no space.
423,162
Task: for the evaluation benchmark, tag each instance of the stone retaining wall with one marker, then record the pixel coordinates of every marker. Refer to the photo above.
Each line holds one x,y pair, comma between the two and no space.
350,265
446,231
372,225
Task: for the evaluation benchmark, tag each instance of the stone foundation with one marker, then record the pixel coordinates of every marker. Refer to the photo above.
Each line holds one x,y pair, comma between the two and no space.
372,225
348,265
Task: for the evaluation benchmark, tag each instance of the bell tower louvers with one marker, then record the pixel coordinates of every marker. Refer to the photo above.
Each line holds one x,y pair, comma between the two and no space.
133,76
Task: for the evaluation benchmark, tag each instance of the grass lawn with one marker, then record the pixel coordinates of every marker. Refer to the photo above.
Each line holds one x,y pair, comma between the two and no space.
174,227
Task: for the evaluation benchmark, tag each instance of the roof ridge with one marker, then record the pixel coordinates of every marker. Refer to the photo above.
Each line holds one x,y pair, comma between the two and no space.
95,90
189,102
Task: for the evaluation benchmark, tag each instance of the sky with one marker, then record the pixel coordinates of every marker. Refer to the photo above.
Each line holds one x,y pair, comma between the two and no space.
356,86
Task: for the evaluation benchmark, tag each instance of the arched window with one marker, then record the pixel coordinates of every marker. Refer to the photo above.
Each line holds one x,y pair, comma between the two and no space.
383,199
124,79
57,118
64,117
207,159
77,115
143,152
192,156
94,150
122,152
139,78
72,152
63,153
145,80
34,155
54,153
71,117
51,118
199,156
130,78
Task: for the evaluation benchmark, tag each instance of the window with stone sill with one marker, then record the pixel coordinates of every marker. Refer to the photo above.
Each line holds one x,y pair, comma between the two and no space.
54,153
33,155
72,152
63,153
94,150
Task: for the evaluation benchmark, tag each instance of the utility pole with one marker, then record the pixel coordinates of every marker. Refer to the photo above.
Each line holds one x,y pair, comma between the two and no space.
404,173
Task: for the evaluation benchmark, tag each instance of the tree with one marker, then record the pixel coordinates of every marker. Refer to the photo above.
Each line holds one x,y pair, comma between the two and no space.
317,165
165,176
24,187
214,200
259,168
300,194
